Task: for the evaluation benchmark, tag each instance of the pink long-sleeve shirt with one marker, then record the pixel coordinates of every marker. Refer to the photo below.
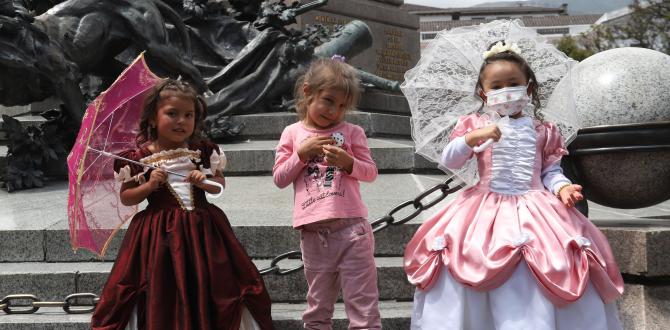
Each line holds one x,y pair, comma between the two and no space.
322,192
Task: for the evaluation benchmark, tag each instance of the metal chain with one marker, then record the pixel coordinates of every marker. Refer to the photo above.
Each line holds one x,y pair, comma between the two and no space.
16,303
382,223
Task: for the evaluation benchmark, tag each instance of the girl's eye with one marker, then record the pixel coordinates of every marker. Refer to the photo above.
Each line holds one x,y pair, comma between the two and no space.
329,101
189,115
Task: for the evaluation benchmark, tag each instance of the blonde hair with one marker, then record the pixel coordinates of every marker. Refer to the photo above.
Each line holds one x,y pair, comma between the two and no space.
322,74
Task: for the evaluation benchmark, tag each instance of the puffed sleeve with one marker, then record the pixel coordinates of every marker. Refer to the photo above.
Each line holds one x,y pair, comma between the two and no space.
466,124
554,146
213,160
125,171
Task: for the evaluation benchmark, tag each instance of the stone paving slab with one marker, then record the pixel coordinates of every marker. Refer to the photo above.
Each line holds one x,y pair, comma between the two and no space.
30,233
395,316
255,200
54,281
264,215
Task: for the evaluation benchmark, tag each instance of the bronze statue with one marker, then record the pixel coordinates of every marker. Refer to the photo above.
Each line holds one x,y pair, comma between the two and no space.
243,56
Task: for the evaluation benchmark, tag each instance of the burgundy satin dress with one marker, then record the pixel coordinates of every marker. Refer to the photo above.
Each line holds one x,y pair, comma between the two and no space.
179,268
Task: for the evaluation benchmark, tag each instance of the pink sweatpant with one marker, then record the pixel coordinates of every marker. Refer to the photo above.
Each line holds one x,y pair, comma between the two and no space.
340,254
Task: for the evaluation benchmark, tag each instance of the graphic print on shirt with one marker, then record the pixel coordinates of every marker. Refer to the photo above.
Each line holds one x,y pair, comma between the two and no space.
330,171
320,178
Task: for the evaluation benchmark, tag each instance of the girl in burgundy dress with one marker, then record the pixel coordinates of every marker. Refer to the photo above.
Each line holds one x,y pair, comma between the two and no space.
180,265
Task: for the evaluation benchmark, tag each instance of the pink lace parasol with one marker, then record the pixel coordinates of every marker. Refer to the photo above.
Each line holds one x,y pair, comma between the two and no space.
95,211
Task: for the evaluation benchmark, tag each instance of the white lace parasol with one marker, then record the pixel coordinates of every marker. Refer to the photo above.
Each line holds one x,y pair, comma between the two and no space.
441,88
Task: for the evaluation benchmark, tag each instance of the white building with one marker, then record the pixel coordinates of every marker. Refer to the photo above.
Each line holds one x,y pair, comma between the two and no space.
554,23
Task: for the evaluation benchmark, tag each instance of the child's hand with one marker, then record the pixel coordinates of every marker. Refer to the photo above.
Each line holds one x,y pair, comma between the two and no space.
571,194
313,147
195,177
157,178
336,156
482,134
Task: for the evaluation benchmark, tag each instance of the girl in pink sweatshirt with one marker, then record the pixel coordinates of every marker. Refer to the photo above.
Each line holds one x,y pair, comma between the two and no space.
325,157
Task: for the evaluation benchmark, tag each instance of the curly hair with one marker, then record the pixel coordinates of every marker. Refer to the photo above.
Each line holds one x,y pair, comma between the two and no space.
525,68
325,73
167,88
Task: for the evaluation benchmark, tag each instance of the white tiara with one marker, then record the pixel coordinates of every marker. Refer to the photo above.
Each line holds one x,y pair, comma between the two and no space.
500,47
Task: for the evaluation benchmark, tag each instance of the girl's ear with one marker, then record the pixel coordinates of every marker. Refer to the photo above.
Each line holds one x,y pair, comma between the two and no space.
306,90
529,90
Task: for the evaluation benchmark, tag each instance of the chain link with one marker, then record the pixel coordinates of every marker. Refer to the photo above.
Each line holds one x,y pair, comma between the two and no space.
10,306
16,303
382,223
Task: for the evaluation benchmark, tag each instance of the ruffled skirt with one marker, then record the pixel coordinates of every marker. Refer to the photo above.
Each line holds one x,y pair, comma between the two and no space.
481,237
184,270
518,304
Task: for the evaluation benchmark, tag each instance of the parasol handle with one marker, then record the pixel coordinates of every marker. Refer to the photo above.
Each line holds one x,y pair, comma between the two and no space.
483,146
213,183
206,181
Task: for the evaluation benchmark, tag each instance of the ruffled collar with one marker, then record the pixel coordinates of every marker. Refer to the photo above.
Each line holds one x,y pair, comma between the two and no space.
172,154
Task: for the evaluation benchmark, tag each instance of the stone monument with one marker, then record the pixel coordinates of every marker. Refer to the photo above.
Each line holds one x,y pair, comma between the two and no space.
395,48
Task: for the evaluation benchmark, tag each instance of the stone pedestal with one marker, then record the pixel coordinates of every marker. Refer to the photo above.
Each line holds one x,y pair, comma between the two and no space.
13,111
31,109
640,248
395,48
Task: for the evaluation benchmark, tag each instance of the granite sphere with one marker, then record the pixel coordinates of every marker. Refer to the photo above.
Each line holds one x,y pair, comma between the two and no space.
622,154
618,86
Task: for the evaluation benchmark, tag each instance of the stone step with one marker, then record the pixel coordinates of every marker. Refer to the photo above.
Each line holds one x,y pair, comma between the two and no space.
257,156
15,110
395,316
271,125
253,157
641,306
33,223
54,281
374,100
259,212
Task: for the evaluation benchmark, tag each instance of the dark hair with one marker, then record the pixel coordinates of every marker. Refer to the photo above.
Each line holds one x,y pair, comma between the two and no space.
525,68
326,73
166,88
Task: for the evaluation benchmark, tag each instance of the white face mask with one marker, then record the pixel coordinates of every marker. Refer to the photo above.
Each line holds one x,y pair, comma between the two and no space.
508,101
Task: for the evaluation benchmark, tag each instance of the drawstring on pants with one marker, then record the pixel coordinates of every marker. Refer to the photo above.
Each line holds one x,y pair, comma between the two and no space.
323,236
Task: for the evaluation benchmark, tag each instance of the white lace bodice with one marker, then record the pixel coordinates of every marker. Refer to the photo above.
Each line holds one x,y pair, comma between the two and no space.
181,161
513,157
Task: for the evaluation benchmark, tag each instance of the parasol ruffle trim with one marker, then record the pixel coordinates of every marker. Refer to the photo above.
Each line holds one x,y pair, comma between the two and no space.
124,176
218,162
